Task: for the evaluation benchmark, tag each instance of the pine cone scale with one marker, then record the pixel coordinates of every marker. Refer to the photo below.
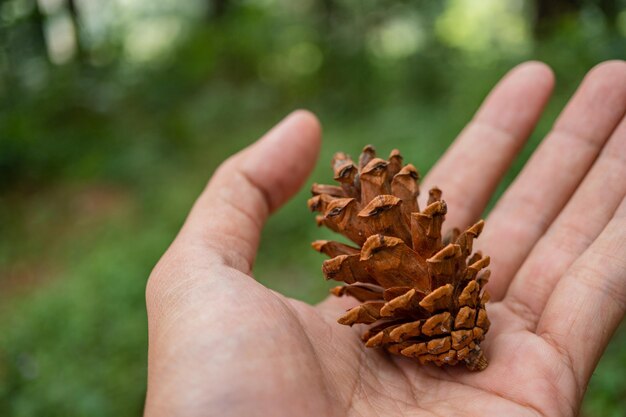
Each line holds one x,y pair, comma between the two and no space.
422,292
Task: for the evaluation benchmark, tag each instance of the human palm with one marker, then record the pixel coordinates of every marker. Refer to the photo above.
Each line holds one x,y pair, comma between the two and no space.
223,344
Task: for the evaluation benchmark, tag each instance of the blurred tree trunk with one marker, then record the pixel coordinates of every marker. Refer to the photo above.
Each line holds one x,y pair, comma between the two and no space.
611,9
38,21
218,8
328,9
75,17
548,14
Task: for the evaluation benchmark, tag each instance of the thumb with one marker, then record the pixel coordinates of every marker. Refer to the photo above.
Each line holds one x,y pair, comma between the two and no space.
228,216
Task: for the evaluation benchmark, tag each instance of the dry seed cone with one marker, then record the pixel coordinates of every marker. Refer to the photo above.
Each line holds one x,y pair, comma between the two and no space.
421,292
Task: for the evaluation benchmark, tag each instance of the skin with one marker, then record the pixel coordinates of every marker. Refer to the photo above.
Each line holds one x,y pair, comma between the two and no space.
221,344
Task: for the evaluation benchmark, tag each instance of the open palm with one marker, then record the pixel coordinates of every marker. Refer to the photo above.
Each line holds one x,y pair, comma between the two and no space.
222,344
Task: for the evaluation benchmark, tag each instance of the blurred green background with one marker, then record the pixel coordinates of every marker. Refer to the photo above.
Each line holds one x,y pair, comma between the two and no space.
114,114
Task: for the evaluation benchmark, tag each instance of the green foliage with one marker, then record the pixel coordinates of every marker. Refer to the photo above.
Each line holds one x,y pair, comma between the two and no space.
150,129
78,348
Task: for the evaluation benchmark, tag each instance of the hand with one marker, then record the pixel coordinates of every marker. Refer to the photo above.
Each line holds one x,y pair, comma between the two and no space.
221,344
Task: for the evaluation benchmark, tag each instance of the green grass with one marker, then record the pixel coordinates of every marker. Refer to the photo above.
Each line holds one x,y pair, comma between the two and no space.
76,343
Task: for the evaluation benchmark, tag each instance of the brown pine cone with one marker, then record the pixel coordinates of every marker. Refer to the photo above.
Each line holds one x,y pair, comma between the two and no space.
421,291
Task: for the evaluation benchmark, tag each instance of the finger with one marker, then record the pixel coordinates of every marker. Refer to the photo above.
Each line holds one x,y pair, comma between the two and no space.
229,215
554,172
589,302
470,170
580,223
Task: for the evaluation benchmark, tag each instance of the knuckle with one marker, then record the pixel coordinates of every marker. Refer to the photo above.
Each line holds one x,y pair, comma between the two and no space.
571,236
522,309
163,276
600,277
155,282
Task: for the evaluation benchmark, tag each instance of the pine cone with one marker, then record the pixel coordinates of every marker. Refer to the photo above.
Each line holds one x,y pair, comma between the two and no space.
421,291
